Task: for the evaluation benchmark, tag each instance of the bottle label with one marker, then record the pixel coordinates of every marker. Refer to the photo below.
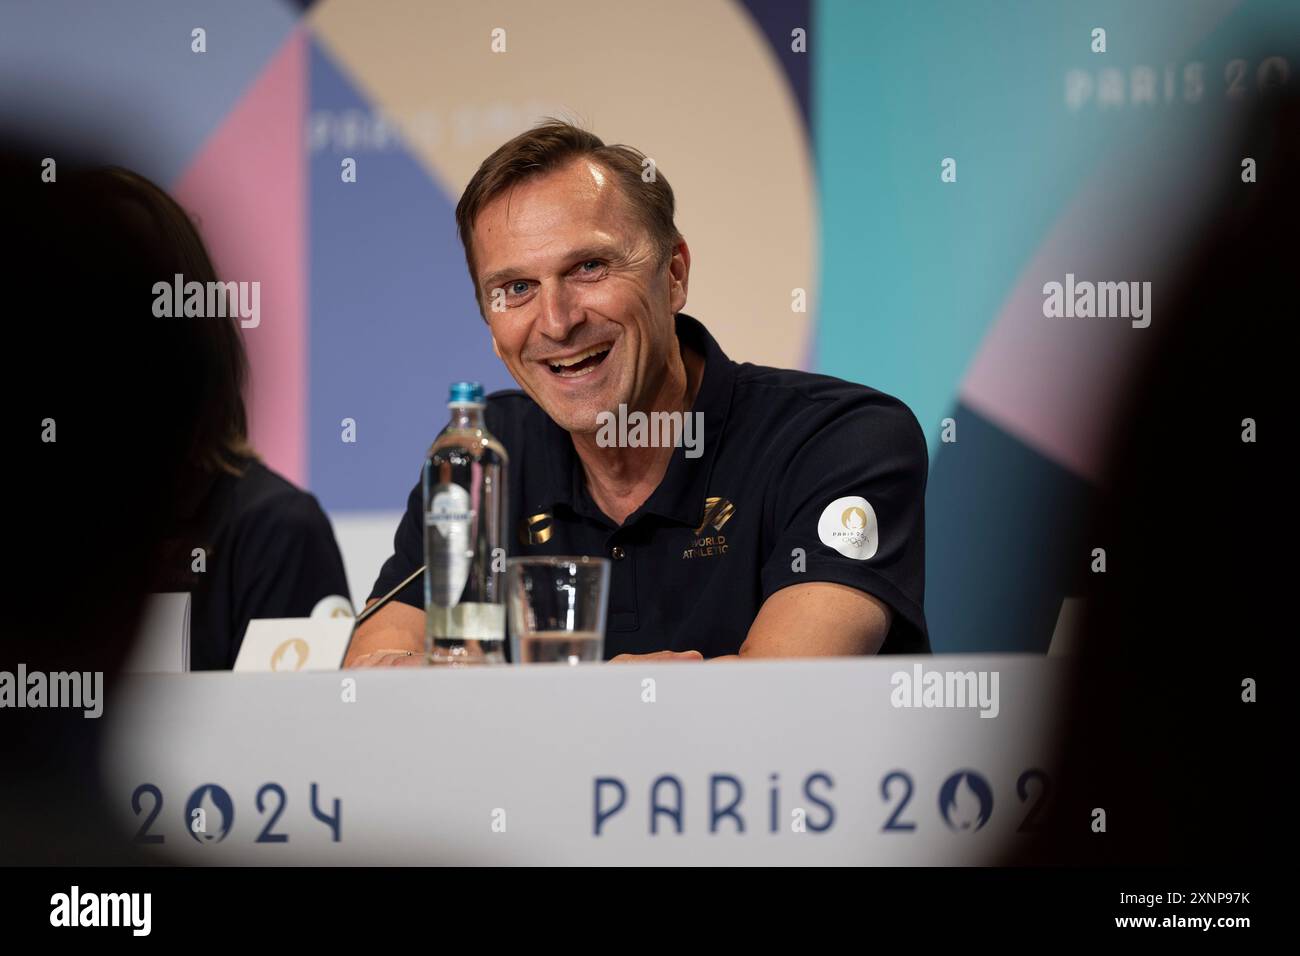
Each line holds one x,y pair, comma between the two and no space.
471,621
449,556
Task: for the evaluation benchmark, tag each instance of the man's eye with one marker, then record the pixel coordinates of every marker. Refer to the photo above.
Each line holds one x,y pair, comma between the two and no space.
591,265
518,287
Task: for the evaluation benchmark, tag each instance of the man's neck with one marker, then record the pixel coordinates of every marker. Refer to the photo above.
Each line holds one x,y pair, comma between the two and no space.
621,479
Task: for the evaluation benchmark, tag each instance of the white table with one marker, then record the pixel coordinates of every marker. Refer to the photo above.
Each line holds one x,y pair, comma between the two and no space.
516,764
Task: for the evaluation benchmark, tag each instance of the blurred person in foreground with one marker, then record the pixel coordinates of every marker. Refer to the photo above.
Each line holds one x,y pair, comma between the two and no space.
131,452
1158,731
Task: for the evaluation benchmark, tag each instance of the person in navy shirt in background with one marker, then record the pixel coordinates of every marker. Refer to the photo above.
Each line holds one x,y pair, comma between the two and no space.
268,550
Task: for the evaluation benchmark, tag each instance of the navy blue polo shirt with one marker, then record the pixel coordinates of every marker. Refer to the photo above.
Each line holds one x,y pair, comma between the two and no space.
801,478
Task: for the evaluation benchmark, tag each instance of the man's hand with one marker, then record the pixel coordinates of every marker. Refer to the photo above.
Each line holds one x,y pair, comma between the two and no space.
658,657
385,639
388,658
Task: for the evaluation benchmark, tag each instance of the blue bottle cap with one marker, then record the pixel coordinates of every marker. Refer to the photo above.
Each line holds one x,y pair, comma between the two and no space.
466,392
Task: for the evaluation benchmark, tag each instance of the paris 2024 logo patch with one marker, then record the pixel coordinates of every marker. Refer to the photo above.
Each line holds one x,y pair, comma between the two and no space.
849,526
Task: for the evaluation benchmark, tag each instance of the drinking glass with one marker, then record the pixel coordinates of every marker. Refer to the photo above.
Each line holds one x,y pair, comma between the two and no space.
557,609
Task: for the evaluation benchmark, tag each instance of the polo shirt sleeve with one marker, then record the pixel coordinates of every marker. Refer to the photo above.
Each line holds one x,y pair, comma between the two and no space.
408,554
850,509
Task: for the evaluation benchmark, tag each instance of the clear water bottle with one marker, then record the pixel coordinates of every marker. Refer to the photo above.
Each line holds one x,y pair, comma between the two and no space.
464,537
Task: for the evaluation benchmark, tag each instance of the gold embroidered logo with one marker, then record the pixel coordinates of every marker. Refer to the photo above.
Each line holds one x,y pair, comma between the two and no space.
717,512
536,529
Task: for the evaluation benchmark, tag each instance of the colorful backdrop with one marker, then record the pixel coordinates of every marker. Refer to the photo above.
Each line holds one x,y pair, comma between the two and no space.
812,165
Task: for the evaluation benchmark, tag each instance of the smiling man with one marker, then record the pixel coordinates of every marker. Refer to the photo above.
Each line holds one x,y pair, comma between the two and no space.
796,526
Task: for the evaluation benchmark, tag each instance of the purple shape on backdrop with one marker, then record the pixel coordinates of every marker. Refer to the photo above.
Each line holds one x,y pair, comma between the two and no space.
392,316
777,19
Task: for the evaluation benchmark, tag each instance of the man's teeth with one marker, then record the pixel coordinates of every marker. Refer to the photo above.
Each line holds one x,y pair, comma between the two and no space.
559,365
575,359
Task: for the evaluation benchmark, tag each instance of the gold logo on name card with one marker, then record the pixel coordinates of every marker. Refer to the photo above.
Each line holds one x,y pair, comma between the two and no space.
291,655
536,529
717,512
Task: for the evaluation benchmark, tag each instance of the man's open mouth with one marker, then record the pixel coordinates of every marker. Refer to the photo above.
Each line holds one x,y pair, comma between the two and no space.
581,364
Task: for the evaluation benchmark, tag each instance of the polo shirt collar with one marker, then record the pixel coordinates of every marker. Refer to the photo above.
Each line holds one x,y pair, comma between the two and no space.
681,493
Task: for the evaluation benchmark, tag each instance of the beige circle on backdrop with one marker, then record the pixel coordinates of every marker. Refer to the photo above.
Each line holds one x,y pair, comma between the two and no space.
691,83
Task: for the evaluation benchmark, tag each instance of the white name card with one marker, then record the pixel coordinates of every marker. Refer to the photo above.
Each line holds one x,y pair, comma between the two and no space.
294,644
162,643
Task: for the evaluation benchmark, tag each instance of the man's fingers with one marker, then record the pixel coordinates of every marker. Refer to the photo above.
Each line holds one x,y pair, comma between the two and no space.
388,658
661,656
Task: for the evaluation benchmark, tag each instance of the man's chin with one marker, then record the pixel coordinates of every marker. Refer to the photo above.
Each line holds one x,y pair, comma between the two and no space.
574,419
574,415
578,424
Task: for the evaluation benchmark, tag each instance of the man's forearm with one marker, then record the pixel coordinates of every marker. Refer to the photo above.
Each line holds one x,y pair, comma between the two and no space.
396,627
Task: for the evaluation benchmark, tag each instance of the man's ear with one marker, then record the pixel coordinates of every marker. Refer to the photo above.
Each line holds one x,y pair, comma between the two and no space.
679,275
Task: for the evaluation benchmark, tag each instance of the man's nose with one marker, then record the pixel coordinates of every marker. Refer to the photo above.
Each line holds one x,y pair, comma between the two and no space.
560,311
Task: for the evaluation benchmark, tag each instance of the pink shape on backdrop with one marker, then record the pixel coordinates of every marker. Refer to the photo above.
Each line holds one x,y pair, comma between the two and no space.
1060,384
246,188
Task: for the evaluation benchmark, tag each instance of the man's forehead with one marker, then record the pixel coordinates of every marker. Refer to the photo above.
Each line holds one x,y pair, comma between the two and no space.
577,201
